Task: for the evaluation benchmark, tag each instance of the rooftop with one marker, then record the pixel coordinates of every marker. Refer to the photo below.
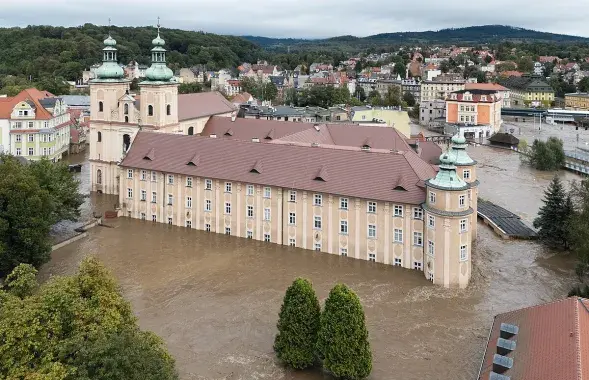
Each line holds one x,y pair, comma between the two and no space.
192,106
31,95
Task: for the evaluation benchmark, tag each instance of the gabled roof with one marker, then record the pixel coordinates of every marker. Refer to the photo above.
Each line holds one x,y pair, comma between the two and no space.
192,106
552,341
29,95
353,173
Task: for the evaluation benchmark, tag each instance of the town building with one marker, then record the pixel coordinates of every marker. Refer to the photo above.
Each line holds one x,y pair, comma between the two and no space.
116,115
293,114
528,90
440,87
577,101
34,124
501,90
413,87
476,112
548,341
384,116
433,111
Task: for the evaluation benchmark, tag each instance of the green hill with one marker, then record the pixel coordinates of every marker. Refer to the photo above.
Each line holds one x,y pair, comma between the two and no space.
43,51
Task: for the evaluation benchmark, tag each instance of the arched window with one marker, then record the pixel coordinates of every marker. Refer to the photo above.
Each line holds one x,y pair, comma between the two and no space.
168,109
190,131
150,110
99,176
126,142
100,107
126,108
126,119
99,136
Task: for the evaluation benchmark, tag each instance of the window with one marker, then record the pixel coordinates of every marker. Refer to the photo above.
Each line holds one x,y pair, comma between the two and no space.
153,176
31,138
317,200
208,227
188,181
292,219
17,138
266,214
397,262
267,192
343,252
417,213
227,230
431,221
129,193
372,207
150,110
100,107
431,248
18,152
143,175
432,197
398,235
249,190
31,151
250,211
398,211
153,197
208,205
188,202
126,109
227,187
170,199
417,239
292,196
170,179
343,227
228,208
292,242
317,246
317,222
189,223
417,265
143,195
130,173
462,200
267,237
154,218
250,234
143,216
208,184
372,257
99,176
168,110
463,225
372,231
463,253
343,203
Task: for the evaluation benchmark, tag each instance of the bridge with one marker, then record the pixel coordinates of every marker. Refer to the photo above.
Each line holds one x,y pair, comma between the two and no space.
577,162
439,138
523,112
505,223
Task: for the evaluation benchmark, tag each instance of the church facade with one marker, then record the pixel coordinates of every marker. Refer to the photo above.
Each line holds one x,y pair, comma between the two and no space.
345,190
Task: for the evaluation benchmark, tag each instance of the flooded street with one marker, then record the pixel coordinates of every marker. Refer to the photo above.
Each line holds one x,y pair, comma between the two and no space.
215,299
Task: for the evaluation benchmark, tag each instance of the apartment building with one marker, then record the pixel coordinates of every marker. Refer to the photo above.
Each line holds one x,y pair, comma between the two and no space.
577,101
34,124
440,87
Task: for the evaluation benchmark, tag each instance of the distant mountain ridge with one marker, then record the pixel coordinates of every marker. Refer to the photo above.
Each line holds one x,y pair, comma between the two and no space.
482,34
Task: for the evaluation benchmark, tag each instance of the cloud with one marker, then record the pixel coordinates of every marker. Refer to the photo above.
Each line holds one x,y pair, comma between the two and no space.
291,18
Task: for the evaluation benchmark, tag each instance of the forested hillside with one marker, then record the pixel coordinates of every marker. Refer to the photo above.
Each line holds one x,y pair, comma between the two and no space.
45,51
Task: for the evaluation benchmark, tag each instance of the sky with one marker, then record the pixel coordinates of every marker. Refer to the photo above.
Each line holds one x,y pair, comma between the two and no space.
302,18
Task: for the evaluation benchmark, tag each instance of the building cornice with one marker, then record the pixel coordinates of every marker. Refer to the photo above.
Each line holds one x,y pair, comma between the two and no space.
461,188
447,213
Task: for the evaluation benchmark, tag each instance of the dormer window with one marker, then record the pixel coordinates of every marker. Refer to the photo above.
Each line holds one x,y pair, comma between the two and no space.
453,96
483,98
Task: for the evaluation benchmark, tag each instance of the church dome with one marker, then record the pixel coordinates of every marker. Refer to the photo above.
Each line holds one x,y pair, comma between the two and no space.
159,73
459,149
458,139
158,41
110,41
110,70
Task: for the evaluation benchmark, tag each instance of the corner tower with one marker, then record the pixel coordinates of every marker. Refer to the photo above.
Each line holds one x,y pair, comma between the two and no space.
466,169
107,139
447,221
159,90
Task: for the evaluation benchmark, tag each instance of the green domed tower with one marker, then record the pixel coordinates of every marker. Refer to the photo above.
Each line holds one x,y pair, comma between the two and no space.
159,90
447,234
466,169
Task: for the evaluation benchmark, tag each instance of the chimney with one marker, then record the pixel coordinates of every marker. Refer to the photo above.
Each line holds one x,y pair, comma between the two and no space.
255,139
233,117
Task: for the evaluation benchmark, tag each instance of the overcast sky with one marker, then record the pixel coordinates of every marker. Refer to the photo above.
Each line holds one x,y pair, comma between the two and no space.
302,18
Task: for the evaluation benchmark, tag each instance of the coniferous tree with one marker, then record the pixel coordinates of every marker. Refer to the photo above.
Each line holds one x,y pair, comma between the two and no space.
298,325
553,218
343,338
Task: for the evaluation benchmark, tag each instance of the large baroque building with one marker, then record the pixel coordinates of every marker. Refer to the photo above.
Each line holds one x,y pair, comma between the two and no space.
359,191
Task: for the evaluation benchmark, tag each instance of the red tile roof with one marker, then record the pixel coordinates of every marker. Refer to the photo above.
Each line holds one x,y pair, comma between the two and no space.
31,94
476,95
485,86
552,342
353,173
241,98
192,106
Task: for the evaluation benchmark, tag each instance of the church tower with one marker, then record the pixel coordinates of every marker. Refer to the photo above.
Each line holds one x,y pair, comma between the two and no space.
110,133
448,238
466,169
159,91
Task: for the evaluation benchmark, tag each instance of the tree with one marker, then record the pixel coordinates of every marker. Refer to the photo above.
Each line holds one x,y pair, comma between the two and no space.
374,98
360,94
583,84
579,233
22,280
409,99
269,91
189,88
554,216
298,325
77,327
343,338
445,67
547,155
400,69
392,97
359,66
488,59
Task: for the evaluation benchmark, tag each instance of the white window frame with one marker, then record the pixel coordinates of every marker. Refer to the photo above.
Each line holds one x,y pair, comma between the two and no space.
462,201
463,225
466,174
317,246
250,211
208,184
398,262
143,195
398,211
188,202
170,199
154,217
129,173
431,221
343,252
143,175
343,227
292,219
292,242
432,197
250,234
208,227
372,257
371,231
249,190
153,197
371,207
228,187
464,252
208,205
343,203
227,230
267,192
129,193
267,238
397,235
317,222
317,200
417,238
30,137
267,214
431,248
18,152
189,224
188,181
292,196
417,213
170,179
18,138
153,177
418,265
227,208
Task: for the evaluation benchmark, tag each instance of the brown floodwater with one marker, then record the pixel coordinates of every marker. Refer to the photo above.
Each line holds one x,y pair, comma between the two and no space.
215,299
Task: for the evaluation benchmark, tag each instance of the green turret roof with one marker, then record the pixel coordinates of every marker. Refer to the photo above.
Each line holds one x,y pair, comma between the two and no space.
110,70
447,179
459,150
158,72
